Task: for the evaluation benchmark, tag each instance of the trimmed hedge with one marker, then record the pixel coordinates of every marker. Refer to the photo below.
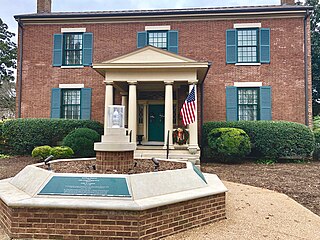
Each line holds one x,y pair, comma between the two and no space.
62,152
269,139
82,142
41,151
229,144
23,135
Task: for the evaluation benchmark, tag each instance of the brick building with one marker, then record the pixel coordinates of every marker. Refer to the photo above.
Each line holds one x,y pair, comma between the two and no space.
246,63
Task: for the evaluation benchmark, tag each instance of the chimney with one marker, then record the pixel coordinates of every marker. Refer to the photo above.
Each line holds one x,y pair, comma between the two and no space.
43,6
289,2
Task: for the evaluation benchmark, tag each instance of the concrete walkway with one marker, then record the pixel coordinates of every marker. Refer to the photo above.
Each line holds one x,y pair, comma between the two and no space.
255,213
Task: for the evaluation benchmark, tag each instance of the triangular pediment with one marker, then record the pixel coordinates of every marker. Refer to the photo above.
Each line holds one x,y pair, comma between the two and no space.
150,55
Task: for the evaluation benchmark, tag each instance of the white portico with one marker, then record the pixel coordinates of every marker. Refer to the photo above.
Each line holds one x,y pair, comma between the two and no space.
153,84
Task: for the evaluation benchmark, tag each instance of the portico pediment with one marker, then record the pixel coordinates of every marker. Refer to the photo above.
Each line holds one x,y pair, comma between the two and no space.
151,64
149,55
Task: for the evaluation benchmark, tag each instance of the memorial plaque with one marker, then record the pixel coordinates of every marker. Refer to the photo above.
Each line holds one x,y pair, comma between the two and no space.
86,186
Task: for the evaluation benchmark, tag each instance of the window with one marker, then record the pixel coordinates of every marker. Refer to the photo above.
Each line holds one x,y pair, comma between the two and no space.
167,40
248,104
248,46
70,107
71,103
72,49
158,39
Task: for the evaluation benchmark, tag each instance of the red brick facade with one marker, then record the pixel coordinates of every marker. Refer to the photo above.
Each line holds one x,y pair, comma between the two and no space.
201,40
74,224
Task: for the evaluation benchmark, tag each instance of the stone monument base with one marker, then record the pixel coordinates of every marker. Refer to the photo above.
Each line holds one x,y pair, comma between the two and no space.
119,161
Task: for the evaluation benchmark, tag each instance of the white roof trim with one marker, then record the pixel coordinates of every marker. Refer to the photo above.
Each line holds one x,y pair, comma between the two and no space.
71,85
157,28
247,25
247,84
75,30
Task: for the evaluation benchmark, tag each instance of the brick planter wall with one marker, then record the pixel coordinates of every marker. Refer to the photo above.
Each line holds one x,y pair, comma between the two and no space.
120,161
45,223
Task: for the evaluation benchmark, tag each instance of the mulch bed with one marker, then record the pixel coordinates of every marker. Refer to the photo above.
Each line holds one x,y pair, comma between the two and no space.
300,181
140,166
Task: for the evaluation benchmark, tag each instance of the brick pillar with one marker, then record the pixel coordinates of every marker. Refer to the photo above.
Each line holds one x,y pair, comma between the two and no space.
121,161
43,6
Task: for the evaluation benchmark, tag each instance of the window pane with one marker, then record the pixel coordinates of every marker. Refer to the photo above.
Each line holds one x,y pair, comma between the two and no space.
158,39
248,104
71,104
247,45
73,49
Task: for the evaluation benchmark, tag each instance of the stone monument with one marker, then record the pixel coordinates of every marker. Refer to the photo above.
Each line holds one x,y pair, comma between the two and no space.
115,151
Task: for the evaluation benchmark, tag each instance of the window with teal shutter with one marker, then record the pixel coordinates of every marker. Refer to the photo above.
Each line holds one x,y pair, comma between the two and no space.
167,40
72,49
248,104
248,45
71,103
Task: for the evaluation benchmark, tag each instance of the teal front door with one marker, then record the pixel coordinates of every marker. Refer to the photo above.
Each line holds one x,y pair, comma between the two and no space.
156,123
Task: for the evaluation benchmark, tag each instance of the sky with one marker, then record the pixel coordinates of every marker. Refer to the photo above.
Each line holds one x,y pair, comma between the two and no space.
9,8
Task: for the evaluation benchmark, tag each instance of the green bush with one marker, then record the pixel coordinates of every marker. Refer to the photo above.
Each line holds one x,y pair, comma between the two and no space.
229,144
21,136
42,152
82,141
316,152
269,139
62,152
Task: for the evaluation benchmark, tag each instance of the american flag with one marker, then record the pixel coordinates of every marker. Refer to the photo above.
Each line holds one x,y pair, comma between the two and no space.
189,108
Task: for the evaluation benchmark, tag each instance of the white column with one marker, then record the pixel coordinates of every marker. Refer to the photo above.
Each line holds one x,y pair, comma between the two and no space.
108,102
124,102
168,113
193,127
132,110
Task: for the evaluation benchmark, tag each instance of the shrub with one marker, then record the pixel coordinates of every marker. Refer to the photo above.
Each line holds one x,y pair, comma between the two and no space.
81,141
22,135
229,144
62,152
316,152
42,152
269,139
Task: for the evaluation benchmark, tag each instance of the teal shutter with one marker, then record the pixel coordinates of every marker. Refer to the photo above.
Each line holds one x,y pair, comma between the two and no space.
57,50
141,39
55,103
265,103
173,41
265,45
85,102
231,46
87,49
231,103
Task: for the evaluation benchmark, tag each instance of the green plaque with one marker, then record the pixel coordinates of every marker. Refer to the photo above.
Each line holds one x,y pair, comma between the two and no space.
86,186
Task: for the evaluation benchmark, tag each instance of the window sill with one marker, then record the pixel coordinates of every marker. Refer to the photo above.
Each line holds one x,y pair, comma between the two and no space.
73,66
248,64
